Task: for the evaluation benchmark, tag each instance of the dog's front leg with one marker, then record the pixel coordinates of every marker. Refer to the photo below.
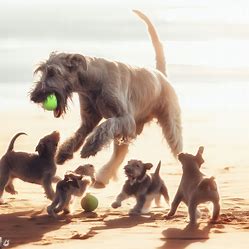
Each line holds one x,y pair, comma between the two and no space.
175,203
47,185
89,119
192,210
123,128
121,197
137,209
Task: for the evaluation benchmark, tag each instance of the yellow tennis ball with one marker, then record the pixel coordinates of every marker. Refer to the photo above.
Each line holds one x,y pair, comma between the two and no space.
89,203
50,103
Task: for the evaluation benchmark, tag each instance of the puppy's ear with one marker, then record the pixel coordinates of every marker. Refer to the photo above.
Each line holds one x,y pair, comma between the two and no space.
74,61
40,148
148,166
199,159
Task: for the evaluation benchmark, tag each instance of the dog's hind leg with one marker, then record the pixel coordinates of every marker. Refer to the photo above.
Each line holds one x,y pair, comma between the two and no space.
109,170
4,178
10,187
164,192
169,118
216,210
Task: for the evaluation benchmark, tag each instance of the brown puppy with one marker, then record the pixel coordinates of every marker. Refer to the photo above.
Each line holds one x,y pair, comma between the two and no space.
194,187
74,184
34,168
144,187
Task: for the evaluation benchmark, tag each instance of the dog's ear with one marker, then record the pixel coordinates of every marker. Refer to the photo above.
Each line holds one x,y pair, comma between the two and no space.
199,159
148,166
40,148
74,61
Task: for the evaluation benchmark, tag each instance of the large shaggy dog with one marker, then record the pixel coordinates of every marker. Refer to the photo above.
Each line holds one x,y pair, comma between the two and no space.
125,96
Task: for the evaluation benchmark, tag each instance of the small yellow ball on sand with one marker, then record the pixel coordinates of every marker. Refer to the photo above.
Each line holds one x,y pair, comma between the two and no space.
89,203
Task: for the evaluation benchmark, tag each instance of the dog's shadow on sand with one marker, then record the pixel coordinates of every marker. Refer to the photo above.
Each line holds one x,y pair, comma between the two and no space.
182,238
124,222
26,227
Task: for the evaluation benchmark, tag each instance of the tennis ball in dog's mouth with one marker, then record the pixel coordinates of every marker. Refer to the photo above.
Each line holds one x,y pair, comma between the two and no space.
89,203
50,103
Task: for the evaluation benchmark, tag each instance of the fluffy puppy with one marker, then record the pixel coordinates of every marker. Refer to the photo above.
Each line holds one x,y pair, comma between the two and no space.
144,187
30,167
73,184
195,188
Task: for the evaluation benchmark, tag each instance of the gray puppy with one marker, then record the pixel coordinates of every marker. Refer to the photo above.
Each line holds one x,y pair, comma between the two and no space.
30,167
144,187
194,188
74,184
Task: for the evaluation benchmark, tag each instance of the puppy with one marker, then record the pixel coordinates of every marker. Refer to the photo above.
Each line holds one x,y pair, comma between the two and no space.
30,167
144,187
194,187
73,184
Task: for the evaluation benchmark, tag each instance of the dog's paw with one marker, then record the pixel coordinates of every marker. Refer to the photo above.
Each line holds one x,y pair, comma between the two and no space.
98,184
11,191
63,156
88,150
134,212
116,204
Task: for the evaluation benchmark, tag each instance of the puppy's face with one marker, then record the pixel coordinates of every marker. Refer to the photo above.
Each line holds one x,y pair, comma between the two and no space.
136,169
48,144
189,161
86,170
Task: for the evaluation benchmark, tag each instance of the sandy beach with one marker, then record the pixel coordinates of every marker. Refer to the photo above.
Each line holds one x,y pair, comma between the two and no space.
24,220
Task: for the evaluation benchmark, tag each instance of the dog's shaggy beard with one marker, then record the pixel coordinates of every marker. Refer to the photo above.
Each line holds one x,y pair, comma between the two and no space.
52,81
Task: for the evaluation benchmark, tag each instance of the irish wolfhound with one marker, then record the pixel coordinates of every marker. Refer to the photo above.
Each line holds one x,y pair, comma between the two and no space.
125,96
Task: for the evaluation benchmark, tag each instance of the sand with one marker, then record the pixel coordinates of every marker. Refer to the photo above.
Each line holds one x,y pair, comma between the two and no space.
23,219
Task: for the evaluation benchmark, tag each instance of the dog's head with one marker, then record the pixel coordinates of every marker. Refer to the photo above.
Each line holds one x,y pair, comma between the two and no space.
86,170
47,145
189,161
135,170
58,75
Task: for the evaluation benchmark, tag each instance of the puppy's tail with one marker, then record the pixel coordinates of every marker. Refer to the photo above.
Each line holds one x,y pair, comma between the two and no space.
158,46
11,145
157,169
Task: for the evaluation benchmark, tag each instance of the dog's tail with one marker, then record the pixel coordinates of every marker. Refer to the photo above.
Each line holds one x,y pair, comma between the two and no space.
11,145
158,46
156,173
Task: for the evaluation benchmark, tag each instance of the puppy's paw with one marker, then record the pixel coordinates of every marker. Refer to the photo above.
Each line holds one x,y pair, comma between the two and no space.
116,204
